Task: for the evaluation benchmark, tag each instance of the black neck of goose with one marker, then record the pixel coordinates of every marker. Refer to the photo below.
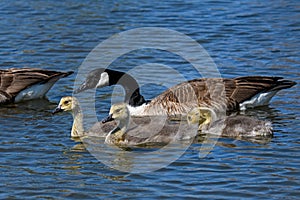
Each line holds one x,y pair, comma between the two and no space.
132,91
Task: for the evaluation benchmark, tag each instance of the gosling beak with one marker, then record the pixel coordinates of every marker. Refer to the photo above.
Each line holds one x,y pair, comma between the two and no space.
108,119
57,110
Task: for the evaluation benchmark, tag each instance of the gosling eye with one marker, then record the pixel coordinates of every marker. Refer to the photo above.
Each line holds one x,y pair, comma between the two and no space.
66,102
118,110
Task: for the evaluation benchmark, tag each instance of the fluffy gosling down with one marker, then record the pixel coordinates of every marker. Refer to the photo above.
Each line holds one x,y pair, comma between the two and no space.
159,131
99,129
122,130
71,104
232,126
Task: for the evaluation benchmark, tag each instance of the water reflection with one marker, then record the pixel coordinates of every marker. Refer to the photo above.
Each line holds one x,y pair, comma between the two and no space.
136,159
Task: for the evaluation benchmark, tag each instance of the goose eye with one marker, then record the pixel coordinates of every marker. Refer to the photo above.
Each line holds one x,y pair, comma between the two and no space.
66,102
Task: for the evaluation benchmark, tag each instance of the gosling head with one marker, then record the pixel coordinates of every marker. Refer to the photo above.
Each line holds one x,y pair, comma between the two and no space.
67,103
118,112
201,115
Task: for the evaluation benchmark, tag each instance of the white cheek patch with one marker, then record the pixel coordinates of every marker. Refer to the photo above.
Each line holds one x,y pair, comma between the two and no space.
103,81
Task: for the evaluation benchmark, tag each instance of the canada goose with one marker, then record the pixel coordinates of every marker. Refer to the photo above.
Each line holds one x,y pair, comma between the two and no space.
232,126
240,93
71,104
125,135
20,84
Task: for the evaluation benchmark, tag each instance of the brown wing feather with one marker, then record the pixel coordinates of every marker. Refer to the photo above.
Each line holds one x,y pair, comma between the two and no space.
14,80
219,93
247,87
203,92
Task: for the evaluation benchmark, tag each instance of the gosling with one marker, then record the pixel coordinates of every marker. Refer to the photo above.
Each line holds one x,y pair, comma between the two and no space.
232,126
159,131
71,104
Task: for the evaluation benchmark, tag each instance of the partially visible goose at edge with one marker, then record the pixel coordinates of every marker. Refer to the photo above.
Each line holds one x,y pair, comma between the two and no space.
241,92
233,126
163,132
21,84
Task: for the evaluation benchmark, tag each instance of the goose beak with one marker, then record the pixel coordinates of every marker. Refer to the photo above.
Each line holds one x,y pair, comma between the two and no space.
57,110
82,87
108,119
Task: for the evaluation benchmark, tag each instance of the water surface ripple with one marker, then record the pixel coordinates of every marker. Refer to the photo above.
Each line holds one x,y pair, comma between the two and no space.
38,158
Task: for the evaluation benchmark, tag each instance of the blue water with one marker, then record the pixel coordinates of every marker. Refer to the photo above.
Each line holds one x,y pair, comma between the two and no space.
40,160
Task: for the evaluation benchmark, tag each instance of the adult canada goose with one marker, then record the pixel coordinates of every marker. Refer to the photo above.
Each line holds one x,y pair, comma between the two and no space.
233,126
163,132
20,84
240,93
71,104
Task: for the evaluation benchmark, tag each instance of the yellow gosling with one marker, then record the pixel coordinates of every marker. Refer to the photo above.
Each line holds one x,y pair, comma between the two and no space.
71,104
